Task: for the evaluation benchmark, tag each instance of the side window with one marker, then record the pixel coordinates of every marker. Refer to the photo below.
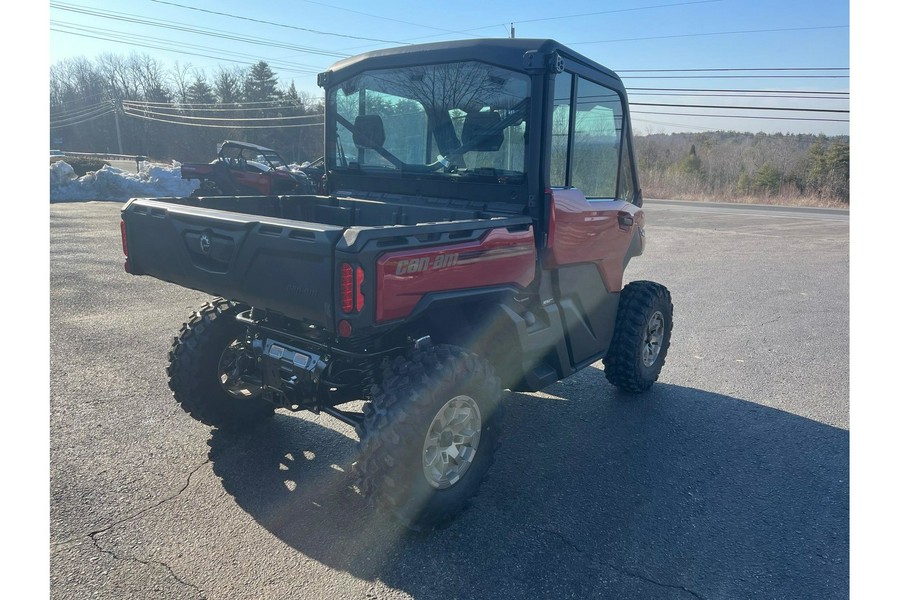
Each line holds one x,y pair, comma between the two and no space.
598,134
559,142
347,105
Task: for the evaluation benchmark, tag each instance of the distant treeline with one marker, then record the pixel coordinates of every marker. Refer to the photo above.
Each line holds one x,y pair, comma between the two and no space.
87,96
86,114
795,168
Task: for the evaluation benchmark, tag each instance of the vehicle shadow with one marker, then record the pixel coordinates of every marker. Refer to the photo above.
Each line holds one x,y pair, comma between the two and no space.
675,493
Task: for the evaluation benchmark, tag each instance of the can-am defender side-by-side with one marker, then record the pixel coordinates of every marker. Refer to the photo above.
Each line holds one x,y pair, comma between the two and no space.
242,168
482,204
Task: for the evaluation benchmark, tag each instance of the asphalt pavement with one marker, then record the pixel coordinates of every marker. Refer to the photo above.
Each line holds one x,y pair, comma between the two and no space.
729,479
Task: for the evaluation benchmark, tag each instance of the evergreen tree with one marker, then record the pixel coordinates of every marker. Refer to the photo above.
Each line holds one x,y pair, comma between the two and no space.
291,93
767,180
691,164
199,92
261,84
837,159
227,86
816,169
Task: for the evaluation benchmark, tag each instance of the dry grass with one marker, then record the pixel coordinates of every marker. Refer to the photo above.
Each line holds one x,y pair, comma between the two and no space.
777,200
659,185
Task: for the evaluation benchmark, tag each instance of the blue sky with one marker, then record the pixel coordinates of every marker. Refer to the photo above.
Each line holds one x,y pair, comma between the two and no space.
629,34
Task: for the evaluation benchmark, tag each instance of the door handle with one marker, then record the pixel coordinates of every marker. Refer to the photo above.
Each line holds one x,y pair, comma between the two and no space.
626,220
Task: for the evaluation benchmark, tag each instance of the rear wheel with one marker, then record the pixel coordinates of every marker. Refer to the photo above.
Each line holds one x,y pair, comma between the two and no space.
207,366
641,337
429,435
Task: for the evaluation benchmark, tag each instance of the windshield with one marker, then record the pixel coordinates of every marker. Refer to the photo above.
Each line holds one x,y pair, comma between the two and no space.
465,117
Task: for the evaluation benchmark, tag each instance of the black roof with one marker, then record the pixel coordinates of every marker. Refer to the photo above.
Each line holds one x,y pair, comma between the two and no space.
499,51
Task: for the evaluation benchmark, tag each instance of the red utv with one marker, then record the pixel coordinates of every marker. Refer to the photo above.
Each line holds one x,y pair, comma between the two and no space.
243,169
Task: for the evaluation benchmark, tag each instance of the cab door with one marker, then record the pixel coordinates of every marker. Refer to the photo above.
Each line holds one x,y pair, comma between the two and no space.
593,225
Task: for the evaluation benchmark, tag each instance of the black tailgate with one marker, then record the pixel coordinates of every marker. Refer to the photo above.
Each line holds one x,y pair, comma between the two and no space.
277,264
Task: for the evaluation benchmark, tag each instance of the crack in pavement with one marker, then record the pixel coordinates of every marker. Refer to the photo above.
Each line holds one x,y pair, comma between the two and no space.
135,515
147,563
617,568
93,534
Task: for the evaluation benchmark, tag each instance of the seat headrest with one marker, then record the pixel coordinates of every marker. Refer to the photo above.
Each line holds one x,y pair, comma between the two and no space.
368,131
473,127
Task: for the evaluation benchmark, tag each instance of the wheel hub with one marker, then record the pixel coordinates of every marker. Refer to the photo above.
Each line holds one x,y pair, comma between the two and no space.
451,442
232,367
653,338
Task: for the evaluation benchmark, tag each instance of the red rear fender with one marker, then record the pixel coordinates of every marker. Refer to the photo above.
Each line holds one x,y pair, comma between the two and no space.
500,257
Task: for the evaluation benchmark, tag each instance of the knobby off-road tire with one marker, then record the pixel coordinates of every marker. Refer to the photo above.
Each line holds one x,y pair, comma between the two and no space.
194,370
641,337
401,432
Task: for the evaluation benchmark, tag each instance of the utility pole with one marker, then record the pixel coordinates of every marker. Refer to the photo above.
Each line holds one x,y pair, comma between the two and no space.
118,131
512,31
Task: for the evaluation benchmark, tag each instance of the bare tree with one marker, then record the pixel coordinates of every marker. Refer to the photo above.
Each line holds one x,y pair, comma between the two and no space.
181,78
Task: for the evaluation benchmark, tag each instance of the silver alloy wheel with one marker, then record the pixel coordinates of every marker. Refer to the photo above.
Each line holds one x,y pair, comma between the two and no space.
451,442
653,338
231,370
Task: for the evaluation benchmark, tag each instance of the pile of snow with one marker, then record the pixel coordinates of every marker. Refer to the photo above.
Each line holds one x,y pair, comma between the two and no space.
109,183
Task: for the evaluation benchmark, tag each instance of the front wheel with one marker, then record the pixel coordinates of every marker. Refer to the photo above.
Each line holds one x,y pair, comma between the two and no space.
208,367
641,337
429,435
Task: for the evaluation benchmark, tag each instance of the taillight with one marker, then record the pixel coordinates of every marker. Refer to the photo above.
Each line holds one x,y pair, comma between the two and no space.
124,239
360,299
352,299
346,288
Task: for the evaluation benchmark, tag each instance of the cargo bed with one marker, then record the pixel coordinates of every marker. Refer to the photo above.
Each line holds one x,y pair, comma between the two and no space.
278,253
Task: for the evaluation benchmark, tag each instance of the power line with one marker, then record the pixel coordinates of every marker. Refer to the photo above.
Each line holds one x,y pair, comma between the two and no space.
190,107
57,125
75,117
151,46
69,114
115,35
689,35
316,31
234,104
735,69
85,120
650,112
116,16
700,95
738,77
171,49
223,126
737,90
825,110
133,106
